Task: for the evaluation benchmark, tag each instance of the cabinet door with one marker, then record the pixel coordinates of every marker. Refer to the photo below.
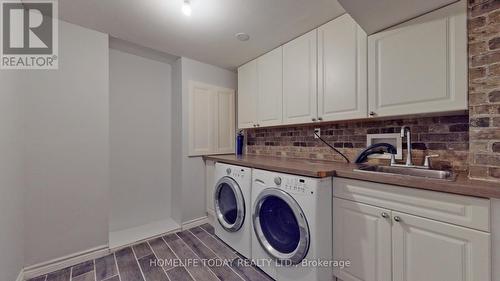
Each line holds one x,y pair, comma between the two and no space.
203,108
225,114
270,100
247,95
428,250
299,79
342,67
420,66
362,235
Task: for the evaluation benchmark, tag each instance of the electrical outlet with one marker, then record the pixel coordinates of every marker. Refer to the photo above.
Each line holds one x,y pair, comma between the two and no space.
317,133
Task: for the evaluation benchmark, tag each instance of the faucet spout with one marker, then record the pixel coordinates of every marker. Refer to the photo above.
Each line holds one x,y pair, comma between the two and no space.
406,132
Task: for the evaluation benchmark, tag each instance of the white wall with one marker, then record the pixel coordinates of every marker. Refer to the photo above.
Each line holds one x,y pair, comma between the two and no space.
11,176
193,170
67,148
177,141
140,140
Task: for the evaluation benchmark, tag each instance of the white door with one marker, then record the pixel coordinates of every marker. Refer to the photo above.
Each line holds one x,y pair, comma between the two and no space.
299,79
362,235
225,113
270,100
420,66
427,250
342,67
203,108
247,95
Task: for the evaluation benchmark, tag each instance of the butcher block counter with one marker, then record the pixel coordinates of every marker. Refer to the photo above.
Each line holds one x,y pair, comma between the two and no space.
317,168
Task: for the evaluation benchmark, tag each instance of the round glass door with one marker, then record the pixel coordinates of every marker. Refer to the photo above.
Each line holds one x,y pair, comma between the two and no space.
281,226
229,204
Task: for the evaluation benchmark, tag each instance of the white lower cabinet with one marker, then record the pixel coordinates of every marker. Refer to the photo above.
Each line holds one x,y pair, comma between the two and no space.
209,183
429,250
385,242
361,235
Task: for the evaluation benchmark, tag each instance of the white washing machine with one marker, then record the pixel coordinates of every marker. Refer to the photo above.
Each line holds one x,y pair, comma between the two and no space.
292,225
232,206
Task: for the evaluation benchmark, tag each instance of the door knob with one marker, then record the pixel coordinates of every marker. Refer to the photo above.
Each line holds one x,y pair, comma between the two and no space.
396,218
384,215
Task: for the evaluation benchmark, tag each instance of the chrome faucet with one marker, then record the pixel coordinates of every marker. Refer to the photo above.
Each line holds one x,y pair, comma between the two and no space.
405,132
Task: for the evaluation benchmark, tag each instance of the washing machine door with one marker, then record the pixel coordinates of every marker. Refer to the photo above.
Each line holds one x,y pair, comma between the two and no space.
281,226
229,204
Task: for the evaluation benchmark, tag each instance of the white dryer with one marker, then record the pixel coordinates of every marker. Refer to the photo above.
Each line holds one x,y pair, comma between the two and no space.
292,225
232,206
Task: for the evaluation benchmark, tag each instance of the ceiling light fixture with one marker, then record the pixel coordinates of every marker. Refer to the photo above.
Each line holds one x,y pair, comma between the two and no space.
186,8
242,36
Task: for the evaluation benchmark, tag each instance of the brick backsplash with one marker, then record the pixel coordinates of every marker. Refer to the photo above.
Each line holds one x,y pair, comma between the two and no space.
484,89
447,136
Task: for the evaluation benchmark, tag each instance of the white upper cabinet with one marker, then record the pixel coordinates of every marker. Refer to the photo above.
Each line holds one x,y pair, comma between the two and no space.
299,79
202,105
270,98
260,91
211,119
248,88
420,66
342,70
225,120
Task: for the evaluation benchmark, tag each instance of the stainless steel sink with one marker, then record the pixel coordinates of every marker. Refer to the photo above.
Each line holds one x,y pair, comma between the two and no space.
413,172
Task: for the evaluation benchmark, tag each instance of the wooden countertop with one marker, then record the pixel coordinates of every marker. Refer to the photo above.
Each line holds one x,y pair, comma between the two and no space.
316,168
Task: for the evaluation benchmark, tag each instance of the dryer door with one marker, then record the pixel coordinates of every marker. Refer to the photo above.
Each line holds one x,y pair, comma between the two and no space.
229,204
281,226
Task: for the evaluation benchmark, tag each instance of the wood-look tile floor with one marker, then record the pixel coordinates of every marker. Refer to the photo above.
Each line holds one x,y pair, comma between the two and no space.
201,256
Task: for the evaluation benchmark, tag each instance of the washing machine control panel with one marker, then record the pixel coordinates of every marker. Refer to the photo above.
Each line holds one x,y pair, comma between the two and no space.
235,173
295,185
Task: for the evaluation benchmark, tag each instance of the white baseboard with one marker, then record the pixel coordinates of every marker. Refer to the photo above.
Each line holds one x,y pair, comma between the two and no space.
124,238
194,223
90,254
64,262
20,277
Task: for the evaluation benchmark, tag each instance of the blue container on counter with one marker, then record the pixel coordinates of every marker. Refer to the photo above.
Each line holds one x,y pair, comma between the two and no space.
239,143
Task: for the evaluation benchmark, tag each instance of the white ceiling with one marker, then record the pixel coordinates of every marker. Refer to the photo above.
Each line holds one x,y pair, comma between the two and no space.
375,15
208,34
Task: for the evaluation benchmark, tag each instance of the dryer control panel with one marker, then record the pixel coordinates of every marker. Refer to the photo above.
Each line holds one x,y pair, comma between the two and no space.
235,173
294,185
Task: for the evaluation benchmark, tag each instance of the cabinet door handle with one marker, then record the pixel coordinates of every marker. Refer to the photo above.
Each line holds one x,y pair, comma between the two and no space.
396,218
372,113
320,118
384,215
314,119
